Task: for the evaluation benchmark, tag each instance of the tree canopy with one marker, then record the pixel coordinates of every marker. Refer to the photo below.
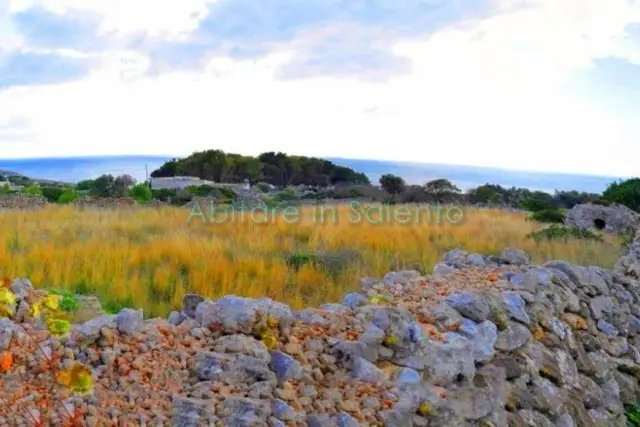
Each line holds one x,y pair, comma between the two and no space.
274,168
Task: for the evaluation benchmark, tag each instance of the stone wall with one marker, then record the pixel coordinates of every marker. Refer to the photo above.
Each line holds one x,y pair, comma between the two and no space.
484,341
21,201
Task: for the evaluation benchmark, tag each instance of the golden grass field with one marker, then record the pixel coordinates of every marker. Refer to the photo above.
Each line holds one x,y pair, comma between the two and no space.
150,258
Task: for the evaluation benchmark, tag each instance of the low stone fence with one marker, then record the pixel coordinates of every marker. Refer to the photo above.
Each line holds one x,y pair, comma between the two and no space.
21,201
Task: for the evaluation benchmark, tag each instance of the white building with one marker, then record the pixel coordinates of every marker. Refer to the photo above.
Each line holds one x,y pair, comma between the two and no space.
182,182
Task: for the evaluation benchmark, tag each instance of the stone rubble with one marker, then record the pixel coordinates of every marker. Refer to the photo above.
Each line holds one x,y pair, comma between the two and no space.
486,341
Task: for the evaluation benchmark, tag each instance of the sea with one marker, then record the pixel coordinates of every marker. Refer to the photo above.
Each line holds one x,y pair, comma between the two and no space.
74,169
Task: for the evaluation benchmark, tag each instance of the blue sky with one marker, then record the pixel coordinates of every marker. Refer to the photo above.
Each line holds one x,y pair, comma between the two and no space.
520,84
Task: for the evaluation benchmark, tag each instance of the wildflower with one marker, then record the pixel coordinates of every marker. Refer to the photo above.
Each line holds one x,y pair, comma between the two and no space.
424,409
52,302
7,297
390,340
6,361
270,341
58,327
77,378
6,310
35,310
272,322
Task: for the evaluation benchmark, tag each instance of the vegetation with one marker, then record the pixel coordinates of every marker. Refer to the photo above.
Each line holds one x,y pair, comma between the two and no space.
632,413
392,184
277,169
559,232
625,193
150,258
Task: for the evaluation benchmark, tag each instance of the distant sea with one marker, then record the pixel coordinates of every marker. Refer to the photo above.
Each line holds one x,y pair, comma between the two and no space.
74,169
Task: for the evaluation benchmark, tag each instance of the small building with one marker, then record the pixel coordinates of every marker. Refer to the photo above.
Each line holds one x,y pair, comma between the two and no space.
613,219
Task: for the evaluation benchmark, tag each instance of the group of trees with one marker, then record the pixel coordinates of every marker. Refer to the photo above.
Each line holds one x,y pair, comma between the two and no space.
277,169
444,191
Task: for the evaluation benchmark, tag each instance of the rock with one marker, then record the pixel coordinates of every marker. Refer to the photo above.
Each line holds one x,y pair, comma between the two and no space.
175,318
188,412
455,255
475,260
129,321
242,344
21,288
471,305
600,306
8,331
284,366
354,300
513,337
524,282
242,411
234,314
282,410
516,307
363,370
442,361
190,303
408,376
89,307
514,256
440,270
89,331
615,219
483,337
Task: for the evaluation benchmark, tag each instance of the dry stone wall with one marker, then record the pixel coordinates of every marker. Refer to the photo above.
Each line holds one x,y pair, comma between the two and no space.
21,201
484,341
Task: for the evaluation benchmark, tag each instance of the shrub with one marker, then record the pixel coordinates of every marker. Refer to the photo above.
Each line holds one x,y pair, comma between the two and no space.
263,187
625,193
557,232
33,189
164,194
285,195
552,216
52,194
632,413
68,196
141,193
227,193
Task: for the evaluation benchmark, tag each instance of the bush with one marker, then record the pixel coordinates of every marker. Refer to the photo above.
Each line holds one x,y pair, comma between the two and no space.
52,194
227,193
164,194
33,189
551,216
68,196
285,195
558,232
141,193
625,193
263,187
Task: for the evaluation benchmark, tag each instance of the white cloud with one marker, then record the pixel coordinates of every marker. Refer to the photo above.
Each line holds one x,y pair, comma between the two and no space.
495,92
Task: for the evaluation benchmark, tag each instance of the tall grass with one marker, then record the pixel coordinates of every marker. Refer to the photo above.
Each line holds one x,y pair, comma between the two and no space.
151,257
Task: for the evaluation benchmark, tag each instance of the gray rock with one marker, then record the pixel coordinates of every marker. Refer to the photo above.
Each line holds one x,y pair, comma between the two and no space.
129,321
442,270
513,337
516,307
242,411
8,331
455,255
607,328
21,288
515,256
282,410
472,305
442,361
354,300
242,344
524,282
190,303
475,260
365,371
408,376
336,308
483,337
176,318
89,331
285,366
234,314
600,306
188,412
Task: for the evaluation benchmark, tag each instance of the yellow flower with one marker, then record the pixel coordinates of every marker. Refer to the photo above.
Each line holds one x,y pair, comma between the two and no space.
270,341
35,310
77,378
58,327
7,297
424,409
272,322
52,302
6,310
391,340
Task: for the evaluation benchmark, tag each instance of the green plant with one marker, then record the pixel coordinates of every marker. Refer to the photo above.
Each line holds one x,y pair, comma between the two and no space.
141,193
552,216
68,196
33,189
632,413
559,232
68,301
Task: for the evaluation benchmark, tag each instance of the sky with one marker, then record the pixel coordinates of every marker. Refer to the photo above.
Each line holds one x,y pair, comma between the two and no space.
542,85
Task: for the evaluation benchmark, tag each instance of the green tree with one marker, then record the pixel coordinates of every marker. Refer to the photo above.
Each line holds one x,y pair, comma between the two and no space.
52,193
103,186
122,184
624,192
442,190
68,196
392,184
33,189
141,193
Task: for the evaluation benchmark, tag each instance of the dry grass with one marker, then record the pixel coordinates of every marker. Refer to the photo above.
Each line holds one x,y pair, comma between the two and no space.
150,257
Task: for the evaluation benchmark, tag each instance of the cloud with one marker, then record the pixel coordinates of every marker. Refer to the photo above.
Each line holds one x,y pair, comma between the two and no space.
74,29
29,69
323,37
15,129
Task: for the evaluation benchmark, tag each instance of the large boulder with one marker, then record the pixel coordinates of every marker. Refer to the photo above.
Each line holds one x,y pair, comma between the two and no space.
614,219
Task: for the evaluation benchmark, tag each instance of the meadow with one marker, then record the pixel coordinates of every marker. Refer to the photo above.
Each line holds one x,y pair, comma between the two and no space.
150,258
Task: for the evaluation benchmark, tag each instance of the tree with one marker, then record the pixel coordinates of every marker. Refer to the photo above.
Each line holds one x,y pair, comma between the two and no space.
122,184
624,192
485,194
442,190
103,186
68,195
86,184
141,193
33,189
392,184
52,194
